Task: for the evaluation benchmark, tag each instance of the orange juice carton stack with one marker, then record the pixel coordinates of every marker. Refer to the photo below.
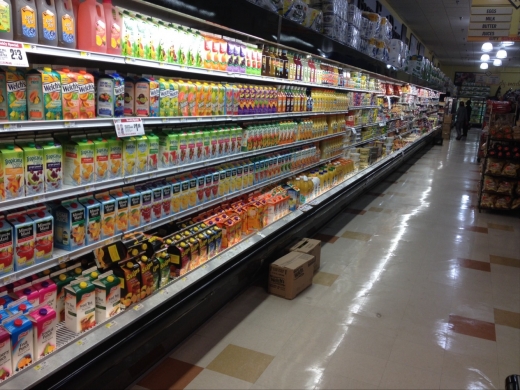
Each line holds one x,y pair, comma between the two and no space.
108,214
14,90
129,102
44,235
11,171
79,161
69,94
23,241
146,204
47,290
115,157
6,364
101,159
69,222
108,296
80,305
87,95
129,156
142,152
147,94
92,218
22,342
134,201
44,322
44,95
121,211
153,152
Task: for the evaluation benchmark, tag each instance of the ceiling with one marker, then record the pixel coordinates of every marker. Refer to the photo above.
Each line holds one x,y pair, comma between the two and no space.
438,25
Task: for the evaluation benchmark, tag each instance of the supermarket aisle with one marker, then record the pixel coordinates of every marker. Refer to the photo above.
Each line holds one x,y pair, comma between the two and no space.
417,290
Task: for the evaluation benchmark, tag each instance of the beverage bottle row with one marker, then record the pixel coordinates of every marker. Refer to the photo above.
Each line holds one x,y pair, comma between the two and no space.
293,99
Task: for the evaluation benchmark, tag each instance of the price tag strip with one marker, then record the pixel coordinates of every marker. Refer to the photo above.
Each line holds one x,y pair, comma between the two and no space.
13,54
129,127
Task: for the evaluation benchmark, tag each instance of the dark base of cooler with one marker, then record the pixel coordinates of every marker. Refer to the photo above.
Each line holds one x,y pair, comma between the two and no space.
121,360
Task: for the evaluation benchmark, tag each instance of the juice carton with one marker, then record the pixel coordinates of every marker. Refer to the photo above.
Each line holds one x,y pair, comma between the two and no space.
79,161
44,101
87,95
101,159
129,105
52,165
80,306
180,258
184,109
6,364
192,147
185,193
183,148
21,305
134,200
156,202
166,199
22,348
108,296
115,158
168,149
129,34
207,185
6,249
164,98
153,151
206,145
108,214
44,322
142,152
192,99
129,274
110,96
12,170
192,197
33,163
14,103
194,253
129,156
199,145
147,277
146,205
23,243
201,185
164,268
5,299
69,94
91,274
92,218
47,290
27,292
44,232
61,279
174,98
143,45
147,92
122,210
176,196
69,221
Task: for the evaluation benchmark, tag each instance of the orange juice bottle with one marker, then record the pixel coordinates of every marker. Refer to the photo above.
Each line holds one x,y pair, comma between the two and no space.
92,28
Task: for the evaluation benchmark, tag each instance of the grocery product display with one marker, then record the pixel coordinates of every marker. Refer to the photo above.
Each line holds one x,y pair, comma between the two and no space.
237,140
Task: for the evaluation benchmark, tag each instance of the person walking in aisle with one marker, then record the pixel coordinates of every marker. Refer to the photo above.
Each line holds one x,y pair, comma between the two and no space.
468,116
461,120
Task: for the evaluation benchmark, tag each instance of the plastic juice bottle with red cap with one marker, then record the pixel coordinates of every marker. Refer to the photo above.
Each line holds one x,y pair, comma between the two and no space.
113,28
92,27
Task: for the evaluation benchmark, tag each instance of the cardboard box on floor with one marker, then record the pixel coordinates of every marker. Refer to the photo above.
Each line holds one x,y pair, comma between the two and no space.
291,274
310,247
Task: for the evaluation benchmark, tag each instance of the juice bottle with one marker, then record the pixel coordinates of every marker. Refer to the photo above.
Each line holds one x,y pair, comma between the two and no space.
113,28
25,21
66,23
92,27
6,22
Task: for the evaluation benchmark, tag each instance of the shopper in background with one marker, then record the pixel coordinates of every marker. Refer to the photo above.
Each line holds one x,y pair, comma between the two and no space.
461,120
468,116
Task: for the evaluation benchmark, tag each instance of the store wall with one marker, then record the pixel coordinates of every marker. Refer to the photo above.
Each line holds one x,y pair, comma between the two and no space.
509,77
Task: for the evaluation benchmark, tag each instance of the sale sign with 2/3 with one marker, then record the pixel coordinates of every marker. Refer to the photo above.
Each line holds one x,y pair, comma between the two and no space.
13,54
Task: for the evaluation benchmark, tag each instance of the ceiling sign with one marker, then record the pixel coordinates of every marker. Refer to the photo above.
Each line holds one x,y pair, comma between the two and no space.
490,18
490,22
516,3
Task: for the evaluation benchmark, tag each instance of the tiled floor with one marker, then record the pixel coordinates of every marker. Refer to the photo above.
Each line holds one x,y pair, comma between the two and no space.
416,290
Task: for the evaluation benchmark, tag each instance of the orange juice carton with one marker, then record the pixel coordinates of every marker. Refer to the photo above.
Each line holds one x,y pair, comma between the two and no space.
129,102
27,292
168,149
47,290
147,93
199,145
174,98
223,187
87,95
156,202
62,279
194,253
44,322
176,196
153,152
184,109
192,155
108,214
129,273
69,222
129,156
80,305
185,193
14,90
115,157
108,296
12,171
204,101
44,232
164,98
6,248
179,258
92,218
147,279
69,94
203,247
192,199
23,241
101,159
110,96
79,161
52,165
33,167
146,204
122,210
166,199
134,201
142,152
6,364
44,100
22,342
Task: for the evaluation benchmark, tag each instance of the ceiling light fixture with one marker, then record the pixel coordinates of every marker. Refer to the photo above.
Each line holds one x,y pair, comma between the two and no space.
485,57
501,54
487,47
484,65
497,62
507,43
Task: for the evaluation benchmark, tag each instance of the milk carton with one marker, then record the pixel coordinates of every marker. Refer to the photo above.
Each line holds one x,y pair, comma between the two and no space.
69,219
6,248
110,96
44,101
79,162
122,209
80,306
92,219
44,322
12,169
24,241
44,234
21,330
6,364
108,296
52,165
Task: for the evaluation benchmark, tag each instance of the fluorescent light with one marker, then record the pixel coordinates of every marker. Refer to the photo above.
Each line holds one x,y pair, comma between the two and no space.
497,62
484,65
485,57
487,47
507,43
502,53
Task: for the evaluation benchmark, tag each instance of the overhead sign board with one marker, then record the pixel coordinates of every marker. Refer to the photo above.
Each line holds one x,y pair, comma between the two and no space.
490,22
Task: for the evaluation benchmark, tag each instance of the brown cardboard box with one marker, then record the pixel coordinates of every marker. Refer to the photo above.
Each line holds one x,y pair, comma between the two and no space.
311,247
291,274
447,119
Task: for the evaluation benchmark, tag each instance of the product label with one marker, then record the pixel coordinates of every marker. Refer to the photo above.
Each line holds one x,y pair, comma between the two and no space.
5,17
67,28
115,32
101,34
28,22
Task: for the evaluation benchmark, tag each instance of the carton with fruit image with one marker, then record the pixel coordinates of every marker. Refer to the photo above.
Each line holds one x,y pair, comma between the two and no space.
122,210
129,156
108,296
184,109
176,196
6,248
134,201
164,98
174,98
129,34
69,94
153,153
143,150
101,159
92,218
80,305
168,149
62,279
6,364
13,99
146,204
79,161
52,165
34,173
12,178
110,95
153,32
143,40
44,235
44,101
115,158
108,214
156,202
87,95
44,321
69,222
147,92
23,241
166,198
129,109
129,273
22,349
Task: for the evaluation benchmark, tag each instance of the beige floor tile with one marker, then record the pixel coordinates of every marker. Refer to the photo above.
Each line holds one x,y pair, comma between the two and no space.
208,379
324,278
199,350
399,376
363,368
334,381
427,357
473,346
466,380
507,318
502,260
241,363
506,370
368,342
469,367
283,374
259,338
498,226
356,236
432,334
